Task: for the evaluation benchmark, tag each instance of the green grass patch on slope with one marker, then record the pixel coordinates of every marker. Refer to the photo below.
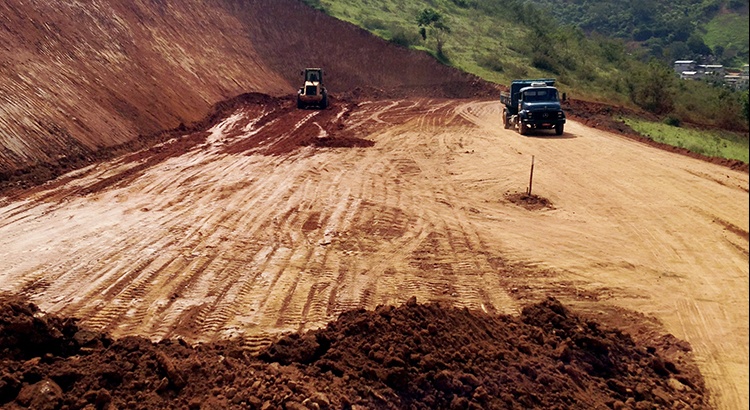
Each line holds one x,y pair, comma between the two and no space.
731,31
498,40
720,144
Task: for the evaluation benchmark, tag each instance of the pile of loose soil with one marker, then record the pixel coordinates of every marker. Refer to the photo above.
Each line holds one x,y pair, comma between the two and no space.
531,202
415,356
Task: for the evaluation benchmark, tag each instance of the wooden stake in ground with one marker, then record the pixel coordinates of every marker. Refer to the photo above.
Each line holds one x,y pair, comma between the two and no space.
531,176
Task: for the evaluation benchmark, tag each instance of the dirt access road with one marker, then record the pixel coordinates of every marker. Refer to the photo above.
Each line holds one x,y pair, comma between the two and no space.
277,220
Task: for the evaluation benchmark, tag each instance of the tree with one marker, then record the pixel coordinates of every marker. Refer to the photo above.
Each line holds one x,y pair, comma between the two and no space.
697,46
652,87
434,22
677,50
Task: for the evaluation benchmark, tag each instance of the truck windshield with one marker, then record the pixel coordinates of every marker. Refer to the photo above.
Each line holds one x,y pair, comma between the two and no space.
540,95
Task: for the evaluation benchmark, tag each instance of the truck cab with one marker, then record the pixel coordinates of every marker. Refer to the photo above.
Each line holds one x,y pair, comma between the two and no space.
533,104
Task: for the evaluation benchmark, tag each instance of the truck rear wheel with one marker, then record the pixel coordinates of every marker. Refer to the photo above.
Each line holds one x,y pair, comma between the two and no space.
300,105
506,120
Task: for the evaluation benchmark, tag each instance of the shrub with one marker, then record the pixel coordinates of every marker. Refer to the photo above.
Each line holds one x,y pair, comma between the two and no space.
516,71
461,3
490,62
403,37
373,23
314,4
544,62
651,87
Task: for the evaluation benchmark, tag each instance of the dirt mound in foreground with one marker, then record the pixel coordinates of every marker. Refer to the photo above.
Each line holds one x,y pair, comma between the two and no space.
413,356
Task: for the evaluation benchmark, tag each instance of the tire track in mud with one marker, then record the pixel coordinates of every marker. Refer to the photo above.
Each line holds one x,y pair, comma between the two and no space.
280,200
302,287
699,323
258,231
322,211
656,250
448,251
217,320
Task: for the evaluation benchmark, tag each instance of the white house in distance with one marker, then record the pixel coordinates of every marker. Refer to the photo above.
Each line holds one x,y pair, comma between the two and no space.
691,70
684,65
711,69
689,75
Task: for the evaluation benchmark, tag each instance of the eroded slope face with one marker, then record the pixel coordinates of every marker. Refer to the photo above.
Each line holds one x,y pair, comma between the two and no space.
82,75
78,76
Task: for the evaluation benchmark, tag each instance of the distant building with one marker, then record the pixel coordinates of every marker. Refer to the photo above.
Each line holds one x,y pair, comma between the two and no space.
711,69
738,79
735,82
684,65
689,75
691,70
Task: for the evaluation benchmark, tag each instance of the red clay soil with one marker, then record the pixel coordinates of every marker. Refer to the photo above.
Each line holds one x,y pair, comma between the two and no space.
413,356
596,115
262,45
531,202
74,82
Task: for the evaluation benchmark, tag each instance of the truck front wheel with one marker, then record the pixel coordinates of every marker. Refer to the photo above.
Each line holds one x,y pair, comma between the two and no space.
523,129
559,129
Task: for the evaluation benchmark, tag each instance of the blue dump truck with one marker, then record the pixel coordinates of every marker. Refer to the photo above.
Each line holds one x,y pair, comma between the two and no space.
533,104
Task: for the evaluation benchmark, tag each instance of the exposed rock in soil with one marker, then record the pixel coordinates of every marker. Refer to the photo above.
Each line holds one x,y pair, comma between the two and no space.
416,356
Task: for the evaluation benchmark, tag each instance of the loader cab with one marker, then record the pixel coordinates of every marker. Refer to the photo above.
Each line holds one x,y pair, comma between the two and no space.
313,75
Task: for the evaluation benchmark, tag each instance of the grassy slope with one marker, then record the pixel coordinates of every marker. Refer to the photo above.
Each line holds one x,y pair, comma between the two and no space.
472,33
717,22
730,31
488,42
710,143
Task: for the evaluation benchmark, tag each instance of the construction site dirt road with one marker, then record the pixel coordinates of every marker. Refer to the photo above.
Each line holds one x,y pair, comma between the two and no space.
277,220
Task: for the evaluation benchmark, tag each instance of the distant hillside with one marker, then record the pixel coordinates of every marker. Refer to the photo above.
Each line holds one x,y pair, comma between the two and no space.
498,40
709,30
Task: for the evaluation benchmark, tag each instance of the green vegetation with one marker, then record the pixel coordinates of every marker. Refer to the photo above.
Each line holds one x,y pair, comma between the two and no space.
720,144
728,36
711,30
501,40
498,40
434,22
